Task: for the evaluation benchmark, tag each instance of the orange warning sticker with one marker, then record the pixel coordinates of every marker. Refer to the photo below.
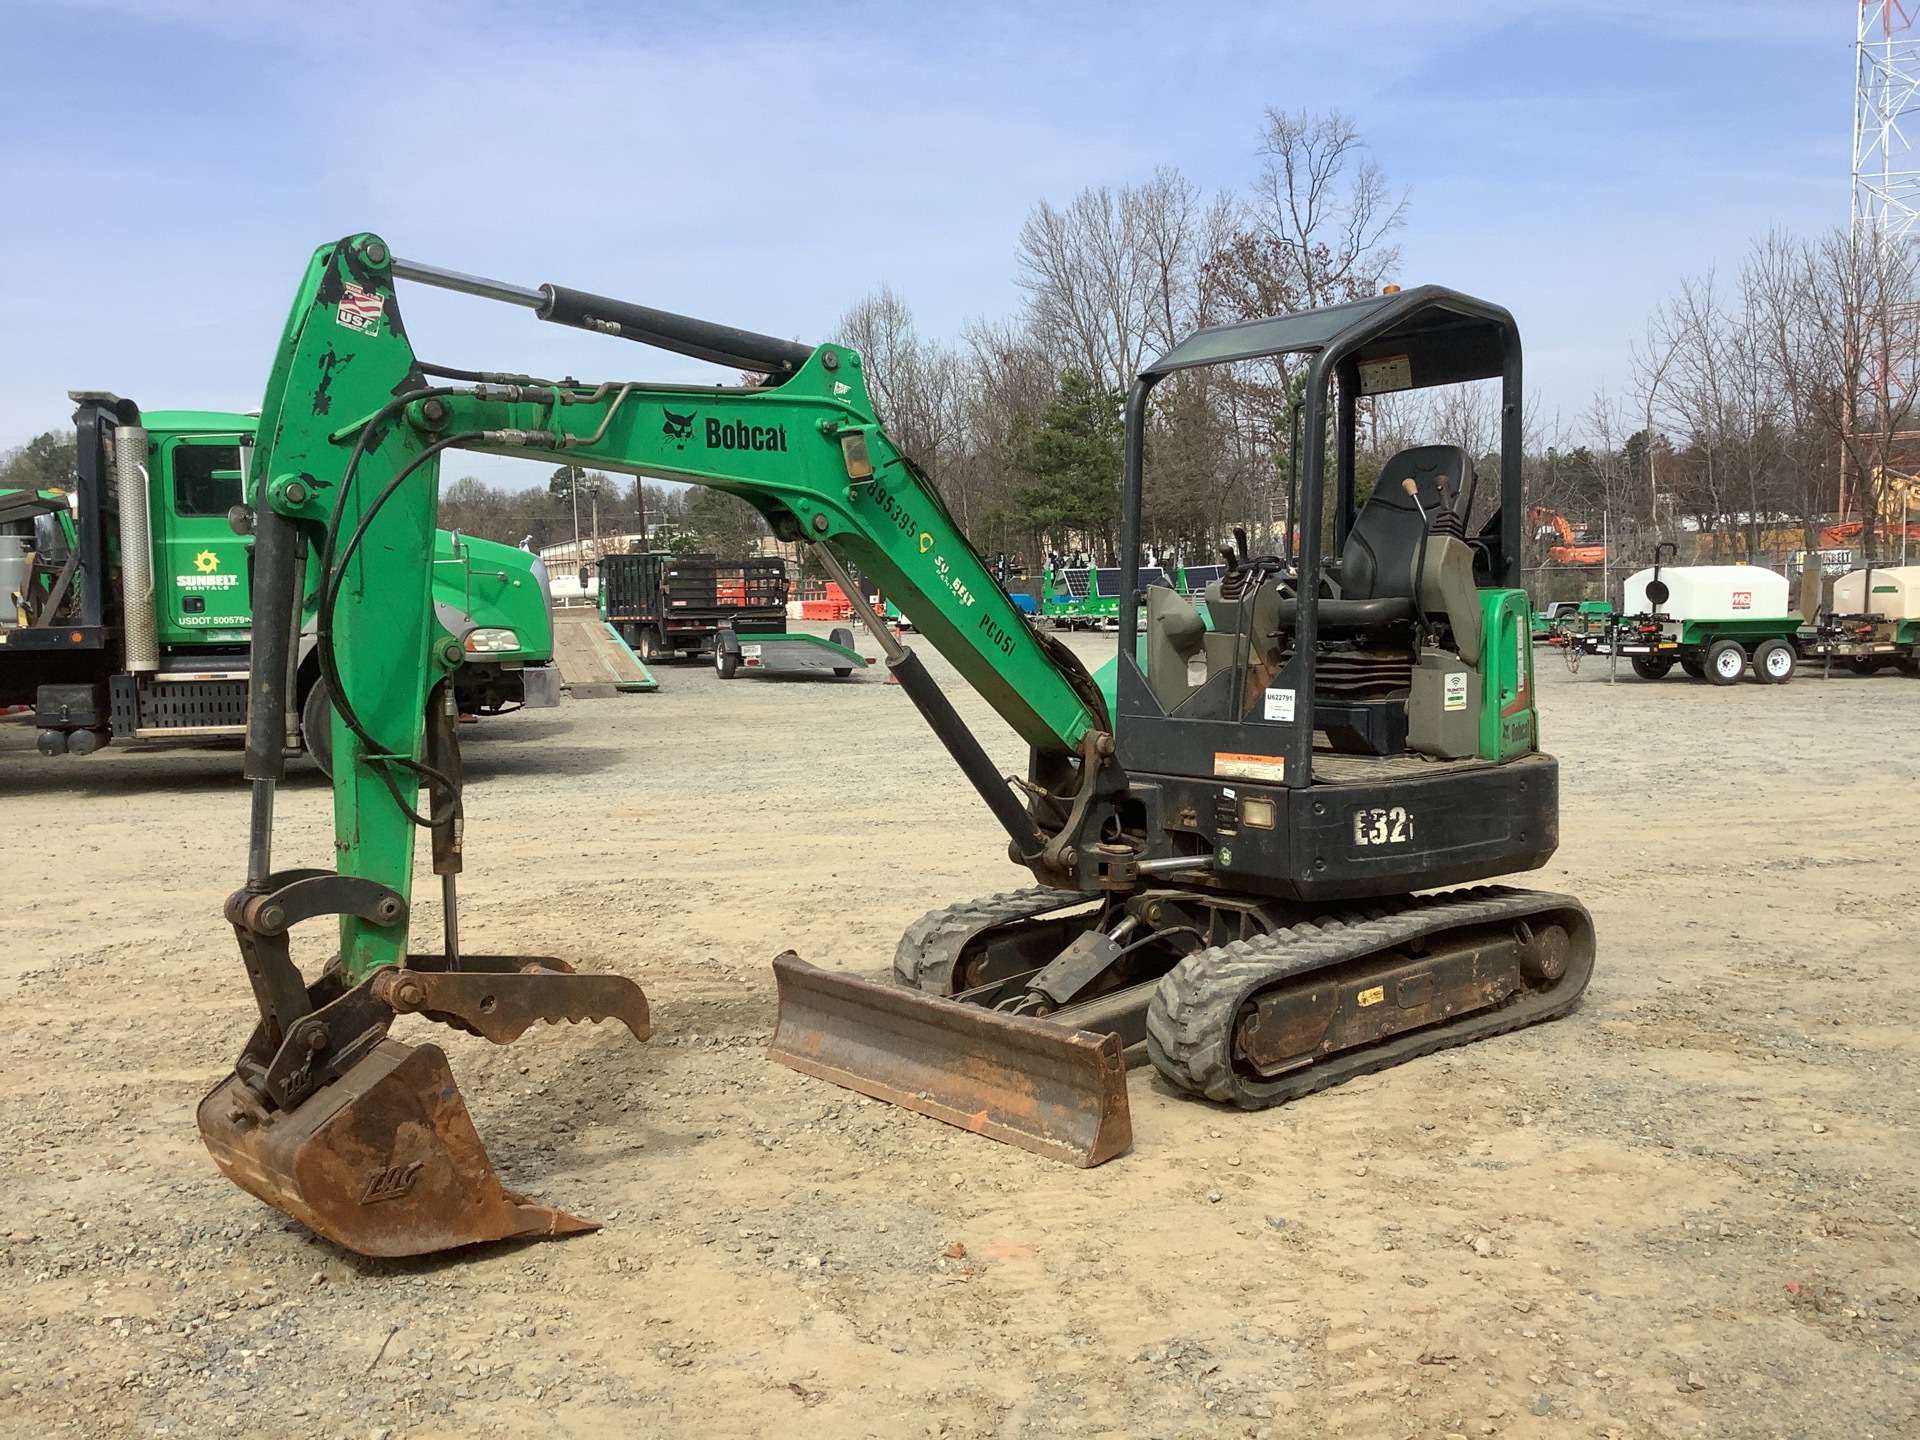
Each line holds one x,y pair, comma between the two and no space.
1250,767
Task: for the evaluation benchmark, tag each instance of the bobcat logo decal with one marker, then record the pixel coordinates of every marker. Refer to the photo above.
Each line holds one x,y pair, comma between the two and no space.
678,428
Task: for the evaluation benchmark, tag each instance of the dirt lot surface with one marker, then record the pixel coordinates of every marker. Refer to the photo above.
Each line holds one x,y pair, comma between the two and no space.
1690,1208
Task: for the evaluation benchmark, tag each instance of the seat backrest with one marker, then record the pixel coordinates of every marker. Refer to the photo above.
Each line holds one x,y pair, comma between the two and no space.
1385,540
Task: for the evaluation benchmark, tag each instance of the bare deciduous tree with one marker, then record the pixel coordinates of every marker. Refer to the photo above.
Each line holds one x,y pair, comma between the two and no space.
1317,226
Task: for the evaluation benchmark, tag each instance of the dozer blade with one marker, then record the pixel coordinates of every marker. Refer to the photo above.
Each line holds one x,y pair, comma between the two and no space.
1056,1091
384,1160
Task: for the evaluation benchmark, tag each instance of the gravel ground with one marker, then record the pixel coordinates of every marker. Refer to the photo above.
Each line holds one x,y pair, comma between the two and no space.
1688,1209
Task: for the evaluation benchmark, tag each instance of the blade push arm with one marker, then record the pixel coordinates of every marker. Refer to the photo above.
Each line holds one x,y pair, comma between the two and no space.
346,470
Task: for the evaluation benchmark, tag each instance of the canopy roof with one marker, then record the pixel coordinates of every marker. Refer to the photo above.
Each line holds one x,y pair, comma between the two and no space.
1444,337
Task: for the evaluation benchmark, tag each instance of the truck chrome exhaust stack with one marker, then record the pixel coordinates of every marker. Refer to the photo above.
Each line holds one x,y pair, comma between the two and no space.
136,554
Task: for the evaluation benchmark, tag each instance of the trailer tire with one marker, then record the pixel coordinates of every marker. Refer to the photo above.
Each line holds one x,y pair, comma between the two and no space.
1652,667
1694,668
1863,666
1909,666
726,654
1773,662
1726,662
842,637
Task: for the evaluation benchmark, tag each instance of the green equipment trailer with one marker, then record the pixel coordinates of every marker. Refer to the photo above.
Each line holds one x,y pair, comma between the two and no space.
1088,598
133,623
794,653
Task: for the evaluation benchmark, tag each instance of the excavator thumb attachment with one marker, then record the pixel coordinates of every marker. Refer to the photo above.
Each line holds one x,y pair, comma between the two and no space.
1056,1091
384,1160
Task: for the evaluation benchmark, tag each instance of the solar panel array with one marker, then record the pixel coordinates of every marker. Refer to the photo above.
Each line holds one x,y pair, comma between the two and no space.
1107,582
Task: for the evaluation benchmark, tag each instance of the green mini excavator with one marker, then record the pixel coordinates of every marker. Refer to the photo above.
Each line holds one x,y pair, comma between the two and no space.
1239,856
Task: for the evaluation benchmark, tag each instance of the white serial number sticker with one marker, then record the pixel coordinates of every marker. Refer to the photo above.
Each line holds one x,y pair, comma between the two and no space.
1377,826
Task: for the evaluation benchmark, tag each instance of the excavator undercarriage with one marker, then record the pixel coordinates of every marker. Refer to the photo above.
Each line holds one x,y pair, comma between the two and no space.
1248,1003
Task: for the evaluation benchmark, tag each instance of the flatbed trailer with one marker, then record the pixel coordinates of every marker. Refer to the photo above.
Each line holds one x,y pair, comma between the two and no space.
788,654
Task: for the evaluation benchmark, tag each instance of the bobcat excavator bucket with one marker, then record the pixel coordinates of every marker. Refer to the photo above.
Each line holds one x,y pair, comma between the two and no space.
384,1160
1043,1085
364,1139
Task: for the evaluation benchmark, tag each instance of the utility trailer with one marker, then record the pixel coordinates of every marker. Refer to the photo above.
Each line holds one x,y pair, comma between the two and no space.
132,622
1874,622
666,606
1714,621
794,654
1089,598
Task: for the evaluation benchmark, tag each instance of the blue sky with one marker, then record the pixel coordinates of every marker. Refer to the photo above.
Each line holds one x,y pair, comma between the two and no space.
173,163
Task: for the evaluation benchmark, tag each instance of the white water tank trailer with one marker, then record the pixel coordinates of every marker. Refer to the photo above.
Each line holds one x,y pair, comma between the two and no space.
1715,622
1711,592
1896,593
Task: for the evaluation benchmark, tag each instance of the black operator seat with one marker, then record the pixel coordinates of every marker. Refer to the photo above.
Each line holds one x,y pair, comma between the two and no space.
1376,567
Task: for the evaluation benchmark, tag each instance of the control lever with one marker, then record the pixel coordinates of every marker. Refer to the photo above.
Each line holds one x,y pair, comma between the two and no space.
1412,487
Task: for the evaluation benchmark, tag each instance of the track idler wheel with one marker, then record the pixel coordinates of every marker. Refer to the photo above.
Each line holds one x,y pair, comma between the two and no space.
384,1160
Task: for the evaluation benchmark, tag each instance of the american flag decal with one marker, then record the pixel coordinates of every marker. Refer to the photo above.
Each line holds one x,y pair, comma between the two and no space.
361,309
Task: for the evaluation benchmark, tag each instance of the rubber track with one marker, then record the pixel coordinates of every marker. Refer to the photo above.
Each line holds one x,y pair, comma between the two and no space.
1190,1020
925,957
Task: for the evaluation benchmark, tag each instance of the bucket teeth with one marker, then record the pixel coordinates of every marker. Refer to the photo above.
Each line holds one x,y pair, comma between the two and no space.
1042,1086
384,1160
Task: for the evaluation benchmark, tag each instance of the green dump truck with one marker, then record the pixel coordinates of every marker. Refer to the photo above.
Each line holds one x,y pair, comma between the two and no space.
133,622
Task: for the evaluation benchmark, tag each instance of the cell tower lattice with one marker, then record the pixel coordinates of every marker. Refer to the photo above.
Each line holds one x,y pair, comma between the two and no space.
1886,165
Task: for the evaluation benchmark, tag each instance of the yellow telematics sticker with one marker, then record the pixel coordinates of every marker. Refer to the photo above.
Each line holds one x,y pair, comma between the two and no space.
206,562
1373,996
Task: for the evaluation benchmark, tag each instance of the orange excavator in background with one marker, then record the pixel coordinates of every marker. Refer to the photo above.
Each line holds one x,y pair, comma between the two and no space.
1569,551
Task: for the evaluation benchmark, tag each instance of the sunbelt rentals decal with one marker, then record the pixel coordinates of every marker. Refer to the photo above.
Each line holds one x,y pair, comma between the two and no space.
207,563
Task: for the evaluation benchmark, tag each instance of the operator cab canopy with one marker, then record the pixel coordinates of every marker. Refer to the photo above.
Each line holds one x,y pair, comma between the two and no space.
1402,340
1444,338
